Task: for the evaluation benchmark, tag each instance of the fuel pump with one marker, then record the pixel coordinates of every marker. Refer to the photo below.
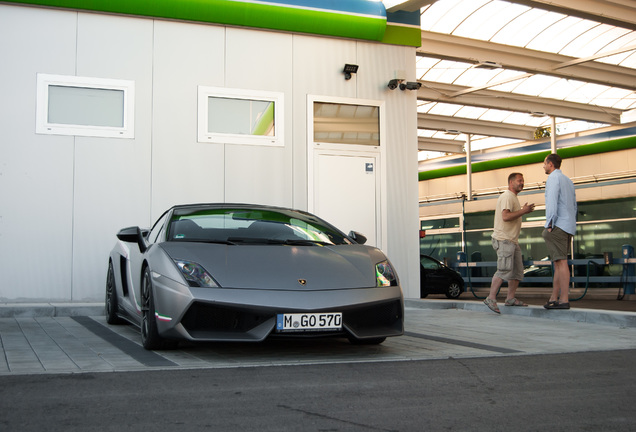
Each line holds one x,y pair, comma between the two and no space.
461,258
628,270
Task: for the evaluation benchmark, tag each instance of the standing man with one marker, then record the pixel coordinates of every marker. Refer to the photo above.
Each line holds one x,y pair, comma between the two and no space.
560,226
505,240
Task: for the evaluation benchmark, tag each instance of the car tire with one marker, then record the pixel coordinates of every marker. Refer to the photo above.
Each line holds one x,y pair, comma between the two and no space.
111,297
368,341
454,290
150,338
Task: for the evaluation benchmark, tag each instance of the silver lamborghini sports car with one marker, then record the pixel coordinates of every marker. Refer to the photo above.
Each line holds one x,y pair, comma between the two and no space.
237,272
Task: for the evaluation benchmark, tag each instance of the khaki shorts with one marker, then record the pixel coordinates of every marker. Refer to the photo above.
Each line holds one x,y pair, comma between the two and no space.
509,260
558,243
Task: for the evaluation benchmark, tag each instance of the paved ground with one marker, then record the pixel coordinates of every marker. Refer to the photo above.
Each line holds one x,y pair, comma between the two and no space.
585,391
68,341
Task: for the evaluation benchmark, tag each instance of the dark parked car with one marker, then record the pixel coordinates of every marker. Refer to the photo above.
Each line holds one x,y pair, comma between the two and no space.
542,275
436,278
538,275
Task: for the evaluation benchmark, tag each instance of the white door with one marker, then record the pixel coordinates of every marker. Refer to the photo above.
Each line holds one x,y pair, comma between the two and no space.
346,192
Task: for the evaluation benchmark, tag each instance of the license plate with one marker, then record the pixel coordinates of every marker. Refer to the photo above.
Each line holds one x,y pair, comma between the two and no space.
298,322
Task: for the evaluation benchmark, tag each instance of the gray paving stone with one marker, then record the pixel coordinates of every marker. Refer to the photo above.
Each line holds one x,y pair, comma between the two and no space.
43,343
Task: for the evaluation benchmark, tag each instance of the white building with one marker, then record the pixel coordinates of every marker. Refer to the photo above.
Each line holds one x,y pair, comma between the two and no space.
72,176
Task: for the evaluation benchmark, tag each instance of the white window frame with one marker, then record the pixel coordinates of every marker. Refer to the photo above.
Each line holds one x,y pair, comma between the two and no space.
204,136
43,126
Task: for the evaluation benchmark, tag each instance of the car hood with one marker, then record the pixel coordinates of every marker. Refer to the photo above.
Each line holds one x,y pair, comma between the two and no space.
283,267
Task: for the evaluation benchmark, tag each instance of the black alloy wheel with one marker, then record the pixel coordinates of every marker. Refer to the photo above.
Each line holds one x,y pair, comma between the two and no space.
150,338
111,297
454,290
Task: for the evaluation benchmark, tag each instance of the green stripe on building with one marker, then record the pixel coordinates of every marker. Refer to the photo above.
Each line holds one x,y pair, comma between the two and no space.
532,158
258,15
402,35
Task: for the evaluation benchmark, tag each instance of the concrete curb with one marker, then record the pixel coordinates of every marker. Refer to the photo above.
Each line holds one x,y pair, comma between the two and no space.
34,310
591,316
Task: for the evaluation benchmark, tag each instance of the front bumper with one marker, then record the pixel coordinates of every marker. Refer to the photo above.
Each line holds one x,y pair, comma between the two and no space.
222,314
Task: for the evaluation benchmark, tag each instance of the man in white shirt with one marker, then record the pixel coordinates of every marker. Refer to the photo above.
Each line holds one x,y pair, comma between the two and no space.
560,226
505,240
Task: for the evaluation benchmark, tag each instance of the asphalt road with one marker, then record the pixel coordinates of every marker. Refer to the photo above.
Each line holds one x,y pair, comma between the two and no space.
588,391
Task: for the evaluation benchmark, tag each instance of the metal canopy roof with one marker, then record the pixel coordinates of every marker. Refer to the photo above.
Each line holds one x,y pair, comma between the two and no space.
499,70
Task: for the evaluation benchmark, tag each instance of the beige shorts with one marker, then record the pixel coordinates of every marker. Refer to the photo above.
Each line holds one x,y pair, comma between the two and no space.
558,243
509,260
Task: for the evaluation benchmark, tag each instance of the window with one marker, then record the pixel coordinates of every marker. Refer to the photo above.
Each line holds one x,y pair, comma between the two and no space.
443,247
428,264
70,105
346,124
157,229
240,116
443,223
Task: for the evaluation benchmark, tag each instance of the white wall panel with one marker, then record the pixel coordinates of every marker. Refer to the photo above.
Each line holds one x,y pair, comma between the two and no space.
614,162
588,165
257,175
260,60
112,176
630,189
184,170
36,171
317,70
378,65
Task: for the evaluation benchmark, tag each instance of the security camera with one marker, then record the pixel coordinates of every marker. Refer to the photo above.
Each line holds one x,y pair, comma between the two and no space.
411,85
393,84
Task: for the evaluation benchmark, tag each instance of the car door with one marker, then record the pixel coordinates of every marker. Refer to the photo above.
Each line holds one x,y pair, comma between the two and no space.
136,259
435,277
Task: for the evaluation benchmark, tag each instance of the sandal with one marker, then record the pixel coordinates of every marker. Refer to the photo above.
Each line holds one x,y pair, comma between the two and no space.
492,305
557,305
515,302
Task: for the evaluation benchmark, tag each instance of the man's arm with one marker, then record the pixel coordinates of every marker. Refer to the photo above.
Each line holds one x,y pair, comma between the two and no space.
508,215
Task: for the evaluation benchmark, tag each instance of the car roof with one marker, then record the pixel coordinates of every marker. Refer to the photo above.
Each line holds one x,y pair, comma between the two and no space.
204,206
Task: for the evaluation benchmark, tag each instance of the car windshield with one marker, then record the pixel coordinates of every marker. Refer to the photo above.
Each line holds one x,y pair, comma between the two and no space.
252,226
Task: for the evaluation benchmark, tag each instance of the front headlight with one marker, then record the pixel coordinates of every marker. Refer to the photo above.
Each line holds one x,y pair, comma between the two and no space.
195,274
385,275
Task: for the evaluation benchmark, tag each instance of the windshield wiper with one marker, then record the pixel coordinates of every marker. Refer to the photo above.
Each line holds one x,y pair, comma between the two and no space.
305,242
292,242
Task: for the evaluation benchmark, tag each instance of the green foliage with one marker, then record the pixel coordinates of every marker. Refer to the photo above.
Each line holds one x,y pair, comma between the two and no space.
542,132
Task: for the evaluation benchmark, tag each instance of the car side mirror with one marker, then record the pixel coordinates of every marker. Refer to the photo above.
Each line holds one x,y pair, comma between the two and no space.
133,235
357,237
